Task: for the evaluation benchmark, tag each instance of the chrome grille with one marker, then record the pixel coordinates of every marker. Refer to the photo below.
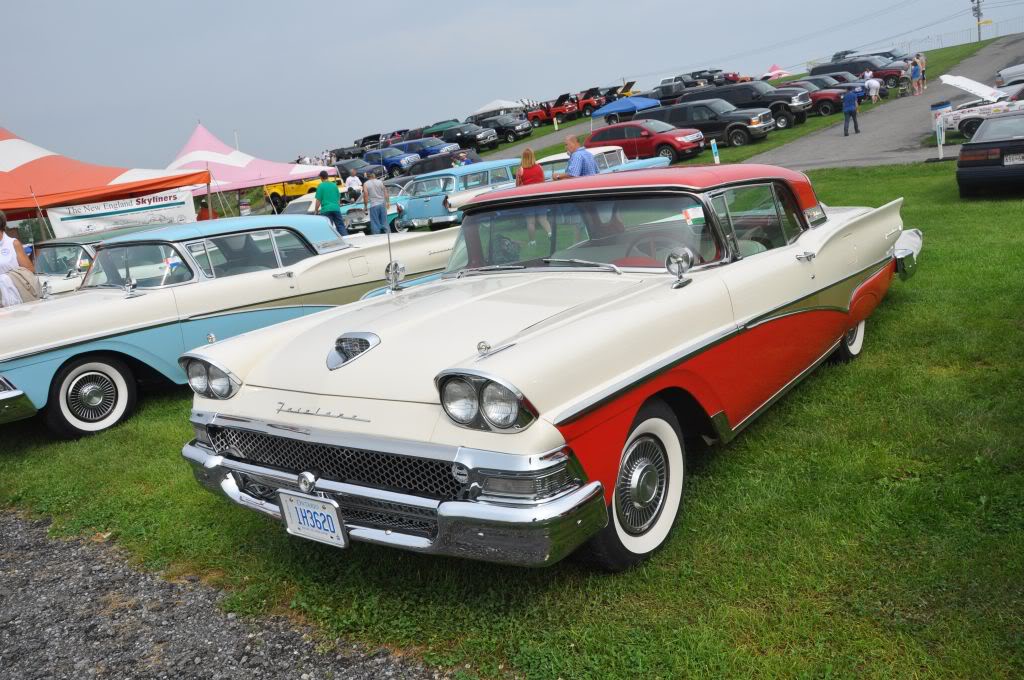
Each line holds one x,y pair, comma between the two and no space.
403,474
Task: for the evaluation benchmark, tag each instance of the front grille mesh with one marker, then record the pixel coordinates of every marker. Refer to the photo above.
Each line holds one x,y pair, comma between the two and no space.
403,474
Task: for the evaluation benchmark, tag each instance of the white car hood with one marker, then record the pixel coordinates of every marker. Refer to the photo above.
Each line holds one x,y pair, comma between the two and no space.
989,94
425,330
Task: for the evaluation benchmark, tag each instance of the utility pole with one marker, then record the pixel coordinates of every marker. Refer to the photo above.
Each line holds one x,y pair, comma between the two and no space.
976,11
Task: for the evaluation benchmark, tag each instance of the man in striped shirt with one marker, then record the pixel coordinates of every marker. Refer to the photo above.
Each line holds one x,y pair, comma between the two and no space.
581,161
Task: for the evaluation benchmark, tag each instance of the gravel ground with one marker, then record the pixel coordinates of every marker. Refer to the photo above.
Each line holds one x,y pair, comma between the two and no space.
74,609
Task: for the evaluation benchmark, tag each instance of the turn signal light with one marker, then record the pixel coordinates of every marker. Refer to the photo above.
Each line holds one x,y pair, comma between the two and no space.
979,155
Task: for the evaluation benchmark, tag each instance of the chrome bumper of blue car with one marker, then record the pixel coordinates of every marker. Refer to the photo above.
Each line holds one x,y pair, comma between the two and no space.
14,404
530,535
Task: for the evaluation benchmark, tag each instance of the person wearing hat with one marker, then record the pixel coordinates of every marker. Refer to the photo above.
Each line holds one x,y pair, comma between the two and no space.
328,202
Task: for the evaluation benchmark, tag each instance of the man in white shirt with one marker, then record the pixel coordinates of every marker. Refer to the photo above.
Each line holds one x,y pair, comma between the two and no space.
353,185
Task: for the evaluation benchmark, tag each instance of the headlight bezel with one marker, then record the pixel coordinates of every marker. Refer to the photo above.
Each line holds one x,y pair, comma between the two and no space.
479,381
190,361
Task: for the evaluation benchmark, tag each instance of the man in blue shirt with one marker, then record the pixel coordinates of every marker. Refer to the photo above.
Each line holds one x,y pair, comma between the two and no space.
581,161
850,106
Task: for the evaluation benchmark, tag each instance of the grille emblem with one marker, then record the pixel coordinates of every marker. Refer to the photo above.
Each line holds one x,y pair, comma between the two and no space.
307,481
460,473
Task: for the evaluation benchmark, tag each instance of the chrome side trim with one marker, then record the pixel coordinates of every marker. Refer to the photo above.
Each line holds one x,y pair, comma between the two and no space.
720,421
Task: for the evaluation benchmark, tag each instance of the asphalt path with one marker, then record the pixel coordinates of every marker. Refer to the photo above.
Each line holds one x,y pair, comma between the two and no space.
545,136
892,134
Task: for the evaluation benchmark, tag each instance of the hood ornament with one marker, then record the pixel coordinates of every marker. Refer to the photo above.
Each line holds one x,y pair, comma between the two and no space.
483,348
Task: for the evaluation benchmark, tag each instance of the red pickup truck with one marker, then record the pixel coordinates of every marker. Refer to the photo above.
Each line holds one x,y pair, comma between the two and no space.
560,109
590,100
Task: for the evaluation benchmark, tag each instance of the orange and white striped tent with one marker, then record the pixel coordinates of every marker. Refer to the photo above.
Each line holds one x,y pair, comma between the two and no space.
32,177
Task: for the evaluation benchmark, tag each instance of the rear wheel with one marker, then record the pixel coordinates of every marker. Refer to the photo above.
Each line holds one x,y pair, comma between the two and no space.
612,119
826,108
648,492
851,345
738,137
510,137
89,395
800,118
892,82
969,127
666,151
395,171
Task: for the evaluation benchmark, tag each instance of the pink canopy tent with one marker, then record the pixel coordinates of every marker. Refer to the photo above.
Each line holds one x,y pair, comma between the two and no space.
231,170
775,71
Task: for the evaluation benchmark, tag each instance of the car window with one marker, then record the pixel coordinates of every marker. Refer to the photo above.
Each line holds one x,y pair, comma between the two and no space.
290,248
601,136
243,253
373,157
432,186
297,207
657,126
198,252
634,231
151,265
601,159
632,131
500,175
59,260
474,179
792,225
753,217
701,114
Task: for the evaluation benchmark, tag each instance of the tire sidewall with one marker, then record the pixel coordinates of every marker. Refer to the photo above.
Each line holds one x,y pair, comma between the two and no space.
60,417
742,135
668,152
848,351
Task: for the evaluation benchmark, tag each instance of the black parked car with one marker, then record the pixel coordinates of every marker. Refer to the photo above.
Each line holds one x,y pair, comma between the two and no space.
830,82
509,128
361,167
788,106
440,161
471,136
994,157
717,119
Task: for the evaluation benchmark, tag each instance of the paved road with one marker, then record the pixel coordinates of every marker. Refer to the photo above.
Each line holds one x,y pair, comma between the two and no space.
892,133
542,137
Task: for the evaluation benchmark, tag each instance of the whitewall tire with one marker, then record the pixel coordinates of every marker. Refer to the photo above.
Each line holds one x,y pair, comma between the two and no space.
89,395
648,491
851,344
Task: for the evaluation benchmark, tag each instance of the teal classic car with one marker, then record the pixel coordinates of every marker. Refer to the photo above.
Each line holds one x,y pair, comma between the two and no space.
436,198
151,295
608,159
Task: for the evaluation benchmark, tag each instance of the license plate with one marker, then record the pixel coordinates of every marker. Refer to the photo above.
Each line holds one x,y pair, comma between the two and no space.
1013,159
313,518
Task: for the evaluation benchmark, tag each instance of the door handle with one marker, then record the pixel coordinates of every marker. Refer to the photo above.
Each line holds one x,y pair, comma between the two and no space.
284,275
805,256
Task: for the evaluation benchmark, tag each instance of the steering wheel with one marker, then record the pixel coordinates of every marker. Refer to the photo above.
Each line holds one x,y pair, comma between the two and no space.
643,251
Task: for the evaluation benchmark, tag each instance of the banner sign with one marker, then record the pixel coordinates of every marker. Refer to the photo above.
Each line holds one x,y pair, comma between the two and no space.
166,207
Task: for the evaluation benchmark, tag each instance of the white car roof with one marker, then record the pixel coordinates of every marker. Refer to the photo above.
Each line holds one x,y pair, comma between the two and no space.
564,156
1011,70
987,93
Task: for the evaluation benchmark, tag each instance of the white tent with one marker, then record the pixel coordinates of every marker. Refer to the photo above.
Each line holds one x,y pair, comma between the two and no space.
499,106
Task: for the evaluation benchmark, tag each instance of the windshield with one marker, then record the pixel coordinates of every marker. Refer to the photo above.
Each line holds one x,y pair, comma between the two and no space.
657,125
59,260
762,87
719,106
804,85
430,141
354,164
626,231
390,153
828,81
299,206
151,265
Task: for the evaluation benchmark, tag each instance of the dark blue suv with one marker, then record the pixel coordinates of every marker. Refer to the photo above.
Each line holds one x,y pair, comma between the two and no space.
426,147
396,161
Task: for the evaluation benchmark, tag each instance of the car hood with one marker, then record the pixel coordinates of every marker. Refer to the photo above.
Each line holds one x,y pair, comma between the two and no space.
746,113
429,328
989,94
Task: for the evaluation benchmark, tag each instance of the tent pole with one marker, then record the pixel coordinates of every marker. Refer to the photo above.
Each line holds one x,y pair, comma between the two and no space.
39,211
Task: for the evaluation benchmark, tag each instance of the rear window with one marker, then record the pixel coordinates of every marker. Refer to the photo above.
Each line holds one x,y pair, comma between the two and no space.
997,129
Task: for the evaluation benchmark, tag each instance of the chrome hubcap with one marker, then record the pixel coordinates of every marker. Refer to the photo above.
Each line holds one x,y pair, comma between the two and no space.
92,397
640,489
851,335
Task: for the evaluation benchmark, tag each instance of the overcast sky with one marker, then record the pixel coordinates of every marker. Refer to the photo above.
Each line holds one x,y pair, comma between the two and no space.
123,83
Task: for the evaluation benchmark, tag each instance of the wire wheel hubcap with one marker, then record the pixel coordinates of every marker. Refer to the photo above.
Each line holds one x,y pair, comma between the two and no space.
640,489
92,397
851,335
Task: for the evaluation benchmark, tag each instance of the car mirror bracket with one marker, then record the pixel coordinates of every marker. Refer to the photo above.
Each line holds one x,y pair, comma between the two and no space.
678,263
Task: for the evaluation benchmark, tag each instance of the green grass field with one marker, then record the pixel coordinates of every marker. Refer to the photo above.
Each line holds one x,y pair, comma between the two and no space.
869,525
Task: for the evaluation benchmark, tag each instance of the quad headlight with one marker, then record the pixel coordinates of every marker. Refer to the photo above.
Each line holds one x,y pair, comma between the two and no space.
483,403
208,380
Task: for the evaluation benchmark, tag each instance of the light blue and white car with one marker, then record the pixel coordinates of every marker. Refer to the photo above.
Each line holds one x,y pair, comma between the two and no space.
435,198
149,296
608,159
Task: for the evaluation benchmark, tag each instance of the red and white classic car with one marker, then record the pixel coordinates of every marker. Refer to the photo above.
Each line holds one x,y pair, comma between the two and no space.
536,398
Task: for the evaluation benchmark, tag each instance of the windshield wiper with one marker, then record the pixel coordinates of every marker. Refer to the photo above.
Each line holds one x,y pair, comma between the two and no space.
607,266
489,268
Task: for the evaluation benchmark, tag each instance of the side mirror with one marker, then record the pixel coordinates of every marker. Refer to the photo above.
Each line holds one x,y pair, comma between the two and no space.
394,274
130,287
645,133
678,263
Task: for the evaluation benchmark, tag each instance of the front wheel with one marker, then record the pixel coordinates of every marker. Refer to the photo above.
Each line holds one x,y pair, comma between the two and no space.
510,137
800,118
826,108
535,123
588,110
892,82
612,119
666,151
88,395
851,345
648,492
395,171
783,120
559,119
739,137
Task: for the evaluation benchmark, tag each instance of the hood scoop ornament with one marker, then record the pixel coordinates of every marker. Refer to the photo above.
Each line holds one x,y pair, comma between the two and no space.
349,347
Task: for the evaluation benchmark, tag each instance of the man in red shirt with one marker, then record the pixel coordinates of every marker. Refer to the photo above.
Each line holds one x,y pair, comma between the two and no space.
205,213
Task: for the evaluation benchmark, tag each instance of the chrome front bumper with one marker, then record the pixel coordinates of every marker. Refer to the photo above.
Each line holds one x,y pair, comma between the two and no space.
533,535
14,404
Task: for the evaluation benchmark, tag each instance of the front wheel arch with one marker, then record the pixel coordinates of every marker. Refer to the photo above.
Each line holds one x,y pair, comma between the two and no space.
119,384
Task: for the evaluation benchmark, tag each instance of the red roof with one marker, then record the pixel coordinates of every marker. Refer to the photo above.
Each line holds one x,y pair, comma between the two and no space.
698,178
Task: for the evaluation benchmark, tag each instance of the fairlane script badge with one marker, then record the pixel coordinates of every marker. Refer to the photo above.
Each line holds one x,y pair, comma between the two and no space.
284,408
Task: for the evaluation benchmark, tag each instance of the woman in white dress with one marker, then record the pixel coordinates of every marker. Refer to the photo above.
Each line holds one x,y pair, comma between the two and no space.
12,256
